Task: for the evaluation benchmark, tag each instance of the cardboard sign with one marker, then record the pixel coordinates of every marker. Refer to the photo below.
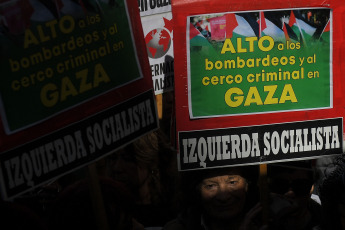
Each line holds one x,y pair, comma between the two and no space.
53,62
247,66
76,85
158,32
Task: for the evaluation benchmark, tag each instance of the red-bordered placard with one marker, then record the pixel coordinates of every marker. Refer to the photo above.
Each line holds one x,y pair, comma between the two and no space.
98,97
241,65
82,107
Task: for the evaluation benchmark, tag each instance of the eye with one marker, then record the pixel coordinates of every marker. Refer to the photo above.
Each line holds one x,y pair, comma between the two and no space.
210,186
233,182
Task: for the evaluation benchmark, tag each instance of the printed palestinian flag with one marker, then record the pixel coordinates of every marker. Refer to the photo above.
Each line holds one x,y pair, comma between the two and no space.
196,38
290,35
306,30
240,25
16,15
293,24
269,28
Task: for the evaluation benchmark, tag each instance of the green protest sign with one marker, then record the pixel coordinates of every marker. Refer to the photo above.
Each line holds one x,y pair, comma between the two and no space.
258,62
56,57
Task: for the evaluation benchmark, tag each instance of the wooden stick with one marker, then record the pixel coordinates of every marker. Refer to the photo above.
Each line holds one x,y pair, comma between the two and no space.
264,199
97,198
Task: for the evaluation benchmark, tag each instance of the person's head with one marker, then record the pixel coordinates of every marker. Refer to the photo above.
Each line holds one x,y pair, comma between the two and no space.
146,165
332,196
220,193
294,180
291,186
223,193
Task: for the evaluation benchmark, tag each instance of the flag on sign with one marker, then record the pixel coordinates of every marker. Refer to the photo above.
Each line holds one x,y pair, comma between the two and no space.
307,31
196,38
268,28
286,33
290,35
293,24
239,26
231,24
262,23
16,16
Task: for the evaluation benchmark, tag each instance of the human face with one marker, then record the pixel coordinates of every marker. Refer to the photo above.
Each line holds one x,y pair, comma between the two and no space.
223,196
295,185
124,168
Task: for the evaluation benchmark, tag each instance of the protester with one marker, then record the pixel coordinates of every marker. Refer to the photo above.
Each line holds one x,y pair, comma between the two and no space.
323,165
332,196
148,168
222,198
291,205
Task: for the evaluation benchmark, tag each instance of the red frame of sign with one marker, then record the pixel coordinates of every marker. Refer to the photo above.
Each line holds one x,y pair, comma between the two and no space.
92,106
182,9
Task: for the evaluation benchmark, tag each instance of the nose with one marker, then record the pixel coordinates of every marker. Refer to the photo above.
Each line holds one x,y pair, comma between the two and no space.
223,193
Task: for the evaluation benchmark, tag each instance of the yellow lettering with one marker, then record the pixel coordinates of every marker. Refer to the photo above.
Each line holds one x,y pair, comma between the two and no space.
228,46
49,95
239,46
269,98
288,94
269,46
100,75
67,89
253,97
84,86
29,39
251,43
205,81
237,99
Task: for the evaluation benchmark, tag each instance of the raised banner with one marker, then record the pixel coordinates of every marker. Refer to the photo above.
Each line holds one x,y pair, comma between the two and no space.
54,57
258,82
76,85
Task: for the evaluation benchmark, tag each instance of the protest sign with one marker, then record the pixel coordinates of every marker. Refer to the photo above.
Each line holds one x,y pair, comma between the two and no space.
259,77
54,62
76,86
158,32
156,19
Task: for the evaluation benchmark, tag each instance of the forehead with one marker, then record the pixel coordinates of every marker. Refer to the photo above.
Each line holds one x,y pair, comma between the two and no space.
222,178
223,172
